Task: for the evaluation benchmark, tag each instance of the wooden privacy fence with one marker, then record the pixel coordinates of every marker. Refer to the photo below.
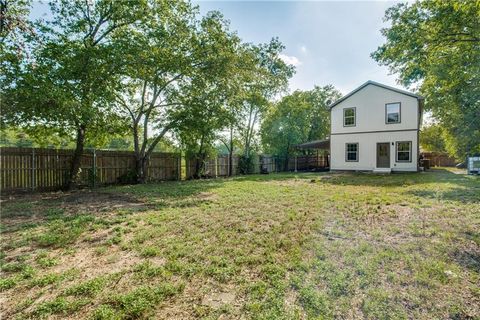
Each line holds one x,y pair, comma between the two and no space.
218,166
438,159
47,169
308,162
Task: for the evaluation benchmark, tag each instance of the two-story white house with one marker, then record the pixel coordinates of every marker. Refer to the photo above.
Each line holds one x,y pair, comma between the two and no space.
375,128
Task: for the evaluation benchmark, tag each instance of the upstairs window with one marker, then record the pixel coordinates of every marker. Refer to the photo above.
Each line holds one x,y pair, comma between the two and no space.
351,152
349,117
404,151
392,111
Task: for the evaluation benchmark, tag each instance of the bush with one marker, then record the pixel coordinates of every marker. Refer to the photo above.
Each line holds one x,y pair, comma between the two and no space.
246,164
130,177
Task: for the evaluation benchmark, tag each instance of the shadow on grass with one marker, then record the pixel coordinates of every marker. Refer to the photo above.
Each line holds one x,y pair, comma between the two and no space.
463,194
168,190
280,176
468,256
399,178
23,212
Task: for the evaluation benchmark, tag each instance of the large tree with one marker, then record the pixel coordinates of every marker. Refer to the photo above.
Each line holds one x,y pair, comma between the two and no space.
269,79
67,81
436,44
180,71
299,117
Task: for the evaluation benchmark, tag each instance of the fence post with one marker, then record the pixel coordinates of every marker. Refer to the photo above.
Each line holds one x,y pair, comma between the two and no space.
179,166
33,169
295,163
94,167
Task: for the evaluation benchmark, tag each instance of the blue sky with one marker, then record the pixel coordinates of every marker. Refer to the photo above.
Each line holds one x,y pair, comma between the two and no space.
329,41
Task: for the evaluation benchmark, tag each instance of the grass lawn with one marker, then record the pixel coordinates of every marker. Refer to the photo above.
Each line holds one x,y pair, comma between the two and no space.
279,246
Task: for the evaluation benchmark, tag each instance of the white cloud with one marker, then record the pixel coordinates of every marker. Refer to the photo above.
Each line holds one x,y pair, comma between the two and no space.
290,60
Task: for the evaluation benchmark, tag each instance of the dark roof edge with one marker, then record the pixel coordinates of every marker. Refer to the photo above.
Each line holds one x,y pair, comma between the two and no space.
378,85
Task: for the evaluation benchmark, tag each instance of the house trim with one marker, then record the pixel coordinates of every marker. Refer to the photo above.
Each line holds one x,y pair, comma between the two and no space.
399,113
396,152
346,152
378,85
354,117
360,132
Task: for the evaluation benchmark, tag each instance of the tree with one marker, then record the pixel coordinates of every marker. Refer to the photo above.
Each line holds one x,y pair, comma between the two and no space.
432,138
437,45
178,77
297,118
270,77
68,82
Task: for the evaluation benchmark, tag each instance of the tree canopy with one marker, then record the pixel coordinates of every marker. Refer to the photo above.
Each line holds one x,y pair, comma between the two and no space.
436,45
297,118
154,69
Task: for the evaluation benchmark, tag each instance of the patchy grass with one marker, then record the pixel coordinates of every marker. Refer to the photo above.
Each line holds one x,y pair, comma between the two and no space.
279,246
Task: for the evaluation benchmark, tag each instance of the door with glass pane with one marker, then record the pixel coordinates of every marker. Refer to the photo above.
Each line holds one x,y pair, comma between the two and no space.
383,155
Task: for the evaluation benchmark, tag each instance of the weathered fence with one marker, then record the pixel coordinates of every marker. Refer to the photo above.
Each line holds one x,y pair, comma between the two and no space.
219,166
47,169
308,162
438,159
40,169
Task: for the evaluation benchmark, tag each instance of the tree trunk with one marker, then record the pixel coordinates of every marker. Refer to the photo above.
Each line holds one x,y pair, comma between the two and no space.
141,168
199,160
139,156
77,155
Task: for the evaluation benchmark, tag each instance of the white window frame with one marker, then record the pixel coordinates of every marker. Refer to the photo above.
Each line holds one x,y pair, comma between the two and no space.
409,151
399,112
357,153
354,117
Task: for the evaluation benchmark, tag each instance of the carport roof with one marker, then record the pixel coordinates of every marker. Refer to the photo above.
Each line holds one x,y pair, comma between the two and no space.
315,144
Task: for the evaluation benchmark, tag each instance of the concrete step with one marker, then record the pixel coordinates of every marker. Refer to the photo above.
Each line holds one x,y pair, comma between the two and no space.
382,170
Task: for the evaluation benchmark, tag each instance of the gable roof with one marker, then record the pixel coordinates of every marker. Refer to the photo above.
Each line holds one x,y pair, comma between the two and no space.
378,85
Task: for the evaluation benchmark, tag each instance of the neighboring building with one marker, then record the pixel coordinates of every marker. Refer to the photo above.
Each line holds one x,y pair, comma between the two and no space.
375,127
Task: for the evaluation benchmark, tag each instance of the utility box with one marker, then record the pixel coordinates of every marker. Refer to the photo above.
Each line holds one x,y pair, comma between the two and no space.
473,165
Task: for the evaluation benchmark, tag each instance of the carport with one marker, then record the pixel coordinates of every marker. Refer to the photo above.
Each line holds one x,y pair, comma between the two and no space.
318,161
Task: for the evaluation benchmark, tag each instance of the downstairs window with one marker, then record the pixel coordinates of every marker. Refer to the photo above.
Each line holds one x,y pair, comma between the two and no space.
351,152
404,151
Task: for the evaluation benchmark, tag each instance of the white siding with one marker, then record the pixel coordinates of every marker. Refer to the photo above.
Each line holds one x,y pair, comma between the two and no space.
371,128
370,111
367,143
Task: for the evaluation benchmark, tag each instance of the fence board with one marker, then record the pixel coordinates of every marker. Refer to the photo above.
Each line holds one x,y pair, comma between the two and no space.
438,159
47,169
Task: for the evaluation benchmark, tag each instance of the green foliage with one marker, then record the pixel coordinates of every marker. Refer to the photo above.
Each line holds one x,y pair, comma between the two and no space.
61,232
246,164
88,288
8,283
300,117
432,138
150,251
139,302
437,44
59,305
